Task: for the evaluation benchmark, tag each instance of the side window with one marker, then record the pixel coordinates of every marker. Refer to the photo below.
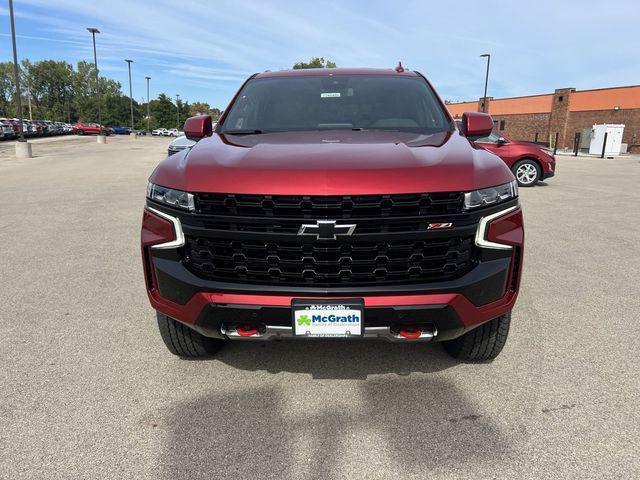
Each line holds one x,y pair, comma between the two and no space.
492,138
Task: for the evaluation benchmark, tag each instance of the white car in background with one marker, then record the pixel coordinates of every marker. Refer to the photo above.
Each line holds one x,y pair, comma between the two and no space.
174,132
162,132
182,143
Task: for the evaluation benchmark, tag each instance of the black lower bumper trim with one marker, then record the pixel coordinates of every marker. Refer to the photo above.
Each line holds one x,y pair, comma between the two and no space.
484,284
443,317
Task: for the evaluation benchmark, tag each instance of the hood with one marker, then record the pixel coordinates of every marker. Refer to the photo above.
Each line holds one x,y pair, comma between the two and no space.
332,163
533,145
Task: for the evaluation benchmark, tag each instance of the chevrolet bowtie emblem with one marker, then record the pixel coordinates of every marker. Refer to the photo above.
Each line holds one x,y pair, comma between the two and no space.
326,229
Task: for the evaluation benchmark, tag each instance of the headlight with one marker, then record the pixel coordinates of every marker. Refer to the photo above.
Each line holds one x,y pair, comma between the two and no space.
171,197
491,195
548,151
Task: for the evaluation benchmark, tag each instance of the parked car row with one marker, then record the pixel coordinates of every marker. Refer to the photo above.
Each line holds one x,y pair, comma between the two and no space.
164,132
10,128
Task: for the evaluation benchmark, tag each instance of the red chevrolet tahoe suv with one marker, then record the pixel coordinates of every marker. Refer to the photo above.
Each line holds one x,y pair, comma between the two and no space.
334,203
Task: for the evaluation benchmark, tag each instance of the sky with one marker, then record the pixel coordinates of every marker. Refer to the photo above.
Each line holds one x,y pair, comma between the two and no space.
203,50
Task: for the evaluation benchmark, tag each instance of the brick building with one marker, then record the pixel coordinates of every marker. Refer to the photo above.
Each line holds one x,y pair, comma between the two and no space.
567,111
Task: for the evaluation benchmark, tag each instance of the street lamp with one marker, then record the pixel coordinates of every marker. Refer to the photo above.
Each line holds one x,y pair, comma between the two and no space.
23,148
148,116
486,81
178,108
129,62
93,31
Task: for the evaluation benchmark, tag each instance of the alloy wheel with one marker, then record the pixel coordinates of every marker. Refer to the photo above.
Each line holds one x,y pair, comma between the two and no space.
526,173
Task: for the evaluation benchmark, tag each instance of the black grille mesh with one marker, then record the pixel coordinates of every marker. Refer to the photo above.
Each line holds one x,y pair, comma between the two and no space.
334,207
236,246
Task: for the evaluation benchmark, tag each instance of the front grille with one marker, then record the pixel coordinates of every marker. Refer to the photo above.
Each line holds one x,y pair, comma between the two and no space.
253,239
333,207
329,263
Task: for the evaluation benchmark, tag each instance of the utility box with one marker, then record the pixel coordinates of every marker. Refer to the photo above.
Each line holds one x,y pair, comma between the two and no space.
614,139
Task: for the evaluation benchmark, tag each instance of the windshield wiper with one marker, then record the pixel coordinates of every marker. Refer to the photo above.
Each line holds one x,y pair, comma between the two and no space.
242,132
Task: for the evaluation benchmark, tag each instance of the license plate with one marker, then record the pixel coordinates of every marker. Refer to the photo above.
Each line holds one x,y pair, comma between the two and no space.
327,318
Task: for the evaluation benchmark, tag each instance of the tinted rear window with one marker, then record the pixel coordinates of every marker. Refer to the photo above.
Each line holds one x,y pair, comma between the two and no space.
337,102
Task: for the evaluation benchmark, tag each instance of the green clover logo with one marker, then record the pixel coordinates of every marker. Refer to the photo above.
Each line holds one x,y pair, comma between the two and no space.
304,320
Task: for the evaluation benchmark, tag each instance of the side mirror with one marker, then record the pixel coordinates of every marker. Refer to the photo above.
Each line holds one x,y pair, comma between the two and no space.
476,125
198,127
502,141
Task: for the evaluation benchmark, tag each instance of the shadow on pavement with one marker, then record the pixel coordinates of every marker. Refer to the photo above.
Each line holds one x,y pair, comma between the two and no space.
335,359
390,426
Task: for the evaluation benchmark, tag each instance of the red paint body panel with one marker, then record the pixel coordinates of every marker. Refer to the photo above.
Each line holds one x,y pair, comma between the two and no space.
508,229
469,313
476,123
513,150
323,72
332,163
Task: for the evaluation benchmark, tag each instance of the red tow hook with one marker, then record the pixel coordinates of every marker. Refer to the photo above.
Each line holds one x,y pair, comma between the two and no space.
410,333
246,330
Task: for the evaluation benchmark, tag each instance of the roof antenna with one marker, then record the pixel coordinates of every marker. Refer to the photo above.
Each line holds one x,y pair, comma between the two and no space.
399,68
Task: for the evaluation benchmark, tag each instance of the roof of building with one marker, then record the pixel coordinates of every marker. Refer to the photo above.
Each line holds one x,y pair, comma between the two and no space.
605,99
457,109
627,97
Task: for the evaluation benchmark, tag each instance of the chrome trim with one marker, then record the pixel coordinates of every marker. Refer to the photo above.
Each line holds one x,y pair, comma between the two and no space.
481,232
177,228
271,332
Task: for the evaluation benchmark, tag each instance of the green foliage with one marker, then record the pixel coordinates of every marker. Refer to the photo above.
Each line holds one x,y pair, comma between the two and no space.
203,108
163,112
315,62
59,92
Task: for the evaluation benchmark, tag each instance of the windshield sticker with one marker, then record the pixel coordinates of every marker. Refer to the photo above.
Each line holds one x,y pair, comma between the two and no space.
330,95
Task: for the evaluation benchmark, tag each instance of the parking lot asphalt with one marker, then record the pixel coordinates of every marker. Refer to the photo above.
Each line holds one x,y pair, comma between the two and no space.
88,390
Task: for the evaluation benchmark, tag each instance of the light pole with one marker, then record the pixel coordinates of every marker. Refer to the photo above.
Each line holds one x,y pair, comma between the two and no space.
486,81
178,108
148,116
23,148
133,133
29,100
93,31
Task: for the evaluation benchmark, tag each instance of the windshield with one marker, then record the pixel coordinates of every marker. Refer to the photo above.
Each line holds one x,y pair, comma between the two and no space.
336,102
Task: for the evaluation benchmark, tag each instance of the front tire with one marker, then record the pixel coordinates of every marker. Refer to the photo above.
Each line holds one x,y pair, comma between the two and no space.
482,343
80,132
185,342
527,172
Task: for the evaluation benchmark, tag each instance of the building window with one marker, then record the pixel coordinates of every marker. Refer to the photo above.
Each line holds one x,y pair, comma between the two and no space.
502,124
560,98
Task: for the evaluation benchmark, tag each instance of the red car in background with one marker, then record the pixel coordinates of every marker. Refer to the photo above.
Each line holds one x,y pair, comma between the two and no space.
89,129
529,162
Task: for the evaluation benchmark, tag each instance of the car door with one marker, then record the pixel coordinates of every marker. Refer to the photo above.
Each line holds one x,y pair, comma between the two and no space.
499,145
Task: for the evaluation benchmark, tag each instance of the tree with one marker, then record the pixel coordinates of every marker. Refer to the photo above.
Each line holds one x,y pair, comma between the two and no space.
203,108
315,62
61,93
48,83
7,89
84,96
163,111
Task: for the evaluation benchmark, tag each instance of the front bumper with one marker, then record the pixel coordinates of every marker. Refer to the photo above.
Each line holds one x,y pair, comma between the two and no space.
440,310
548,167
